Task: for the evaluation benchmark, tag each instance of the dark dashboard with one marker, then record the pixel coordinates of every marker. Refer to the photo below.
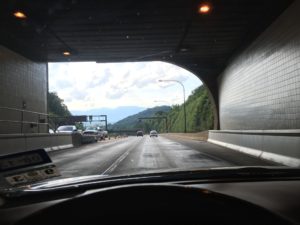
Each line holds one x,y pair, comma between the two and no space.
214,201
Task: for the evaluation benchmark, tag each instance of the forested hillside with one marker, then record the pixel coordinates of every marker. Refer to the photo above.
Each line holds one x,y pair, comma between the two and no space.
56,106
133,122
198,110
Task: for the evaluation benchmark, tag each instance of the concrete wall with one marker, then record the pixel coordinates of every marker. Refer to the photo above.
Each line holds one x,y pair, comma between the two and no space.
22,82
14,143
281,146
260,89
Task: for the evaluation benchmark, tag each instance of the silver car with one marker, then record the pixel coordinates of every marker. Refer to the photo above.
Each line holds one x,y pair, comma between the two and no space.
153,133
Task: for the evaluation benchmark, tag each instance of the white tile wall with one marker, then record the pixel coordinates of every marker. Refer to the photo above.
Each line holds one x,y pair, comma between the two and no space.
260,89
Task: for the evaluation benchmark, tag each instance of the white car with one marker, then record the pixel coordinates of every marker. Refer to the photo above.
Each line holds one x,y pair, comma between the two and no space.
92,131
103,132
153,133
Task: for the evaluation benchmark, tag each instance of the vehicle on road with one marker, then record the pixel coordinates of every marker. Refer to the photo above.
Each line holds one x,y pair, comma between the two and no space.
66,129
153,133
103,132
94,132
139,133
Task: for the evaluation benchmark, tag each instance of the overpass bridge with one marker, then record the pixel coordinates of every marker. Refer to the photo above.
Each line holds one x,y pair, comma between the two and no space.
247,53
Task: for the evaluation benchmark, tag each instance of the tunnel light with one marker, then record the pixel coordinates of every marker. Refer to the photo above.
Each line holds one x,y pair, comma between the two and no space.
204,8
184,49
20,15
66,53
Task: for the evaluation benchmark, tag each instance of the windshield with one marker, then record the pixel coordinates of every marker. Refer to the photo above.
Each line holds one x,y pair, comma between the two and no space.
132,101
164,89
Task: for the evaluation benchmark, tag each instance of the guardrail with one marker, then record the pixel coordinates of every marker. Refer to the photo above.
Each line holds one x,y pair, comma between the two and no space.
41,119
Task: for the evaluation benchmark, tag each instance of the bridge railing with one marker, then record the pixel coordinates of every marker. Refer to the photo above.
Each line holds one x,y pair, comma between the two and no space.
22,121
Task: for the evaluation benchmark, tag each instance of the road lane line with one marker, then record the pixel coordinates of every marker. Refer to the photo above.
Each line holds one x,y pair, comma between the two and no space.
113,166
116,163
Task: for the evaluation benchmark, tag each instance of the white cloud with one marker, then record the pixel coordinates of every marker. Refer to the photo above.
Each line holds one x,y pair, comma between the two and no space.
87,85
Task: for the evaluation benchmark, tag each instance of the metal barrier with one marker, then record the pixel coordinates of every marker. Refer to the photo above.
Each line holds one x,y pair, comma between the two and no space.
41,119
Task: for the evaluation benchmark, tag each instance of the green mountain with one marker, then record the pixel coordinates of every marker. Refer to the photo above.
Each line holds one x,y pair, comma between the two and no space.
198,110
133,122
199,115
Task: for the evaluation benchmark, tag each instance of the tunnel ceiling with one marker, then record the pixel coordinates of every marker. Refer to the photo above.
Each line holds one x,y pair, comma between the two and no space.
136,30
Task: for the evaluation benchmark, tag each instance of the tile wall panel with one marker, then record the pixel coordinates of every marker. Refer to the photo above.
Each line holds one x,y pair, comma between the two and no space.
260,89
21,80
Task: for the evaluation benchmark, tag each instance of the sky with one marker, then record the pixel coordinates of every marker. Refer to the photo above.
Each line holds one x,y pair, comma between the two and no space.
89,85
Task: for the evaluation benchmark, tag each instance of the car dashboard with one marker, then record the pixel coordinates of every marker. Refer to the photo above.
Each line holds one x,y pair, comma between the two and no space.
210,201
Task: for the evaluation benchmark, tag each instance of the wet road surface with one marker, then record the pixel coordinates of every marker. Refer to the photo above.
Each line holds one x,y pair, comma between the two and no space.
144,154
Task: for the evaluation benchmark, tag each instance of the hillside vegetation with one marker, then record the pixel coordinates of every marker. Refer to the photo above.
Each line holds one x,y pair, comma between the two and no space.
198,110
56,105
133,122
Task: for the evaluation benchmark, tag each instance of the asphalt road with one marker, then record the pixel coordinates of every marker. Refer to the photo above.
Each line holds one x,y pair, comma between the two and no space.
144,154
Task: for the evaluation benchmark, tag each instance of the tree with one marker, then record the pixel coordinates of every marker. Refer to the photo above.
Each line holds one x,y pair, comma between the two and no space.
56,106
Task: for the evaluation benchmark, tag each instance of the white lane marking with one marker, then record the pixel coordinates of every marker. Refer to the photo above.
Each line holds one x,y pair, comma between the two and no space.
116,163
113,166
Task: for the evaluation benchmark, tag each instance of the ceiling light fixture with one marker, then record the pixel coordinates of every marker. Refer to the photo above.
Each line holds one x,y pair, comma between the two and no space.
66,53
184,49
204,8
20,15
